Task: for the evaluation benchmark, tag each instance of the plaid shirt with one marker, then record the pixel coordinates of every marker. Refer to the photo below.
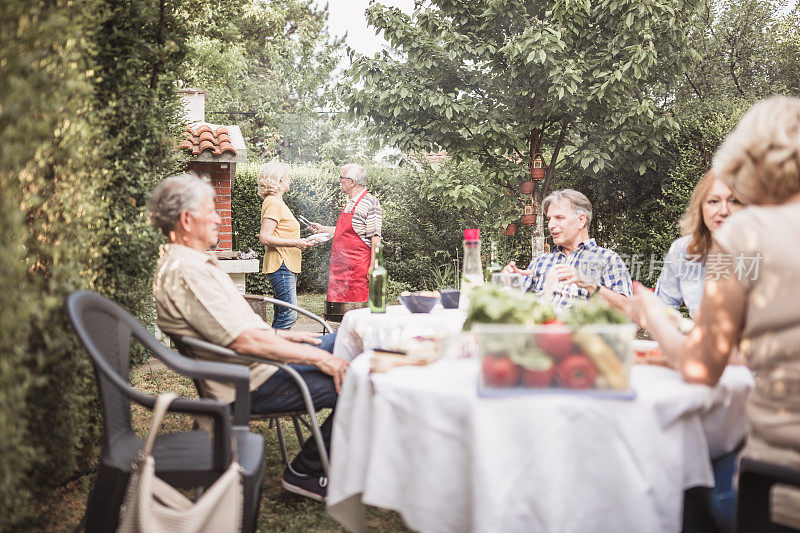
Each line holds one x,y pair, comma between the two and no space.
591,261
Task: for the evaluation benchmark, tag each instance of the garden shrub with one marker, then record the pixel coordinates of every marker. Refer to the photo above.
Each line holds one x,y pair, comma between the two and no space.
45,145
422,232
87,109
137,118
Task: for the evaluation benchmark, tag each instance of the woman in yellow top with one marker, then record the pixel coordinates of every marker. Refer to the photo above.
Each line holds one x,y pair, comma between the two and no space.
280,234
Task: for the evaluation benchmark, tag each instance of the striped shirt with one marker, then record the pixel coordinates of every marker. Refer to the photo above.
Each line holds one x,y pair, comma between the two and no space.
591,261
368,217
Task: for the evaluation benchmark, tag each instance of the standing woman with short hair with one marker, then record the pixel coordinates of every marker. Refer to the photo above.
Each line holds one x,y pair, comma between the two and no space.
280,234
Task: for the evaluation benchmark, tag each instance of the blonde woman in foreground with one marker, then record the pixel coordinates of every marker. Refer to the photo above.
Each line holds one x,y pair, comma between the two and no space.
754,308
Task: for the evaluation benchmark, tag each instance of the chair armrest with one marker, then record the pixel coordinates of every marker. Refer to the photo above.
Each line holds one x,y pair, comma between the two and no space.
301,384
325,326
756,479
233,373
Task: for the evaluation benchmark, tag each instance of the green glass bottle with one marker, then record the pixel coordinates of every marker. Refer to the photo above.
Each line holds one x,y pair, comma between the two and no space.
378,283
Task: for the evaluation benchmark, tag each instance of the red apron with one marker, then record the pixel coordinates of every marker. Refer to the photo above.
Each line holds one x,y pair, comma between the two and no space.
347,278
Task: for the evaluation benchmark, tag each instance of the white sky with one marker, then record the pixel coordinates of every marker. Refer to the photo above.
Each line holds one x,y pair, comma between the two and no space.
348,16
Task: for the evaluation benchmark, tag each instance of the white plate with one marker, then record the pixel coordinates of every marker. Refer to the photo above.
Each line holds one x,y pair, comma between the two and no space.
320,237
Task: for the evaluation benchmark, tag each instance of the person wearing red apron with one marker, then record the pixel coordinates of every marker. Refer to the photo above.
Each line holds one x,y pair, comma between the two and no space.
350,259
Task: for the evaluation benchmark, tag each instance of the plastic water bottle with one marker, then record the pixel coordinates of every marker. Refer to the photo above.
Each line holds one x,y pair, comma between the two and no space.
472,272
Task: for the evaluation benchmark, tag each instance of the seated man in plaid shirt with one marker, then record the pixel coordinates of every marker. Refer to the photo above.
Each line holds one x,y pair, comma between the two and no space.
577,268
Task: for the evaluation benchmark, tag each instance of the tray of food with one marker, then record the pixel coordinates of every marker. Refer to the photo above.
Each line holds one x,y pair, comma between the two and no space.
525,346
648,352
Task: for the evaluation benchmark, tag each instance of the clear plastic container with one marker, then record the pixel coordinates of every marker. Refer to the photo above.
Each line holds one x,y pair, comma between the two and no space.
516,358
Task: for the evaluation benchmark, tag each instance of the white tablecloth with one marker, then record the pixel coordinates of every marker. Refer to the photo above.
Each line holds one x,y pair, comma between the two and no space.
362,330
420,441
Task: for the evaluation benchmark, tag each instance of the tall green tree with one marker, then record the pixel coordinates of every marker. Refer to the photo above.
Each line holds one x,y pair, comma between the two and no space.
503,81
267,66
747,50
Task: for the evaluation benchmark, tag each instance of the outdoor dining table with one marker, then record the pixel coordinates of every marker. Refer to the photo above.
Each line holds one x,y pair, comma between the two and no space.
421,441
362,330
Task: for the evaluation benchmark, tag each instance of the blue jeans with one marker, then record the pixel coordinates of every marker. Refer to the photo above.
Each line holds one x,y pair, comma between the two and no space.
713,508
284,287
280,394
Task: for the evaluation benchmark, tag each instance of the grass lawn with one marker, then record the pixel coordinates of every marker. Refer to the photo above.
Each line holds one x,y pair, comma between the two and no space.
280,511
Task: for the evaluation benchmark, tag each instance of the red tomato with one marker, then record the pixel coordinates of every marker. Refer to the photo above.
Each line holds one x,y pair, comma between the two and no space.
556,344
553,322
499,371
538,378
576,371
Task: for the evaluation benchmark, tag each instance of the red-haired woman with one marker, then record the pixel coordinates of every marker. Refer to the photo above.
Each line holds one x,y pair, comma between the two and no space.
683,276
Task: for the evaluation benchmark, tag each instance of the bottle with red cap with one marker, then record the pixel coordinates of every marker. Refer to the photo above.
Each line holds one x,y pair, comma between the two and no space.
472,273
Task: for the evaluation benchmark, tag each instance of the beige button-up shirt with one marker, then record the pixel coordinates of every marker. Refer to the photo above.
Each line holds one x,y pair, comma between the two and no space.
194,297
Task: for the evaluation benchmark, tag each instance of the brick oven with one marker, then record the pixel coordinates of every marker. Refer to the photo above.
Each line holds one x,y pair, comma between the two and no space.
213,151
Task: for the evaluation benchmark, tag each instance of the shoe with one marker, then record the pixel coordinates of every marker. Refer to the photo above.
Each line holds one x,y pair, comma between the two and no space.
314,487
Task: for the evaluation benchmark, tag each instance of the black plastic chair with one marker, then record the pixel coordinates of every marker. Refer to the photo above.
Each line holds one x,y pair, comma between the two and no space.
188,459
186,345
756,478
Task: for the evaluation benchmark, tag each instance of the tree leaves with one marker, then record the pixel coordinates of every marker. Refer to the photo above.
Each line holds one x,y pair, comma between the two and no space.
504,79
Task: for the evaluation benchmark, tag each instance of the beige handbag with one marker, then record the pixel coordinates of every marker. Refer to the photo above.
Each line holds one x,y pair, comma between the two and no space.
153,506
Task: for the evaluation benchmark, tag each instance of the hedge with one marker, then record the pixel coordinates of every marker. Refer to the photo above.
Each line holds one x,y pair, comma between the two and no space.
422,236
87,124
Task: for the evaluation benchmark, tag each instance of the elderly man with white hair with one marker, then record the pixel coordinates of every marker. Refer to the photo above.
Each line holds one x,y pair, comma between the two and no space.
355,237
577,268
194,297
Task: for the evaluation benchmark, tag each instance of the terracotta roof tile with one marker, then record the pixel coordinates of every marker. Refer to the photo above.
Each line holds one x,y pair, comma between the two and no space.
225,145
204,138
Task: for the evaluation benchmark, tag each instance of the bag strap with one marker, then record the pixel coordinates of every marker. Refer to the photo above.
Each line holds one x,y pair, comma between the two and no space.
159,410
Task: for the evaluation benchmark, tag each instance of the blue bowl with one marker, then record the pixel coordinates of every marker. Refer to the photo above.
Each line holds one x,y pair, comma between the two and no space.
419,304
450,298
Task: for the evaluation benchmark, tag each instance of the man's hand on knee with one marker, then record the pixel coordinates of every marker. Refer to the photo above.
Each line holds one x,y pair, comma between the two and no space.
334,367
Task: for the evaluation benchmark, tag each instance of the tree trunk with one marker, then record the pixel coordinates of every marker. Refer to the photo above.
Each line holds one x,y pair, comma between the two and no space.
537,233
537,237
